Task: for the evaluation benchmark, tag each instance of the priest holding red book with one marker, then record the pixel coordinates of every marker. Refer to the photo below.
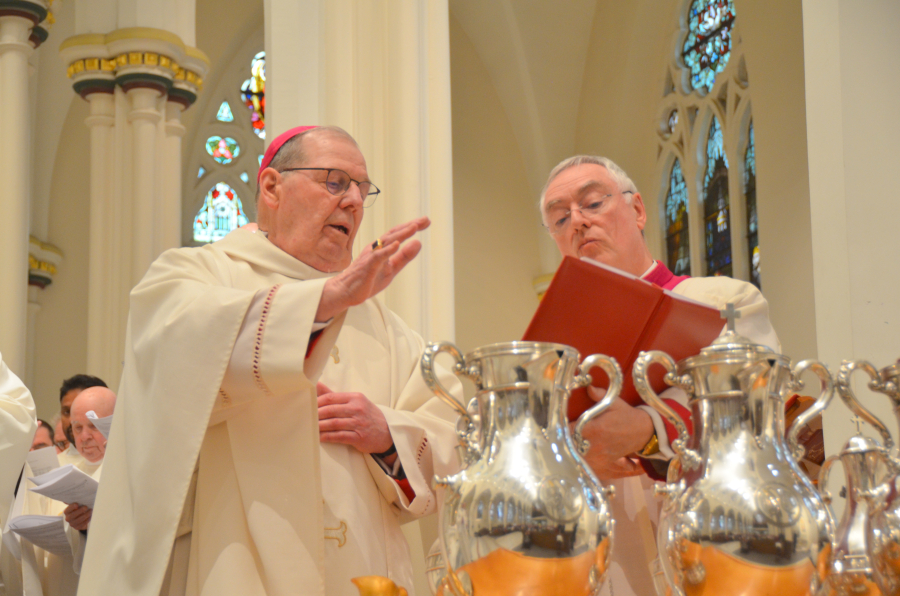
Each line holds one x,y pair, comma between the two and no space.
593,209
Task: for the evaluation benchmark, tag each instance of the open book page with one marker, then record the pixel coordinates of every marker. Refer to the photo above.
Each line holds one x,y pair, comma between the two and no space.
42,460
67,484
45,531
102,424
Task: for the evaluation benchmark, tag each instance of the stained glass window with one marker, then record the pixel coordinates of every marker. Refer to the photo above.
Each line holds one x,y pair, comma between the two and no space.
200,172
221,213
707,47
222,149
253,94
245,177
752,215
677,234
716,221
224,114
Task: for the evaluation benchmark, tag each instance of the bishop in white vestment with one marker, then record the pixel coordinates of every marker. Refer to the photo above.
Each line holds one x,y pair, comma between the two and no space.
593,209
261,380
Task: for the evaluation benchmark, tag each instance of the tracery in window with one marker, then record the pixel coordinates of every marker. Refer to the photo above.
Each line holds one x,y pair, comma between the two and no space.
677,232
707,47
223,149
750,200
225,114
253,94
221,213
716,206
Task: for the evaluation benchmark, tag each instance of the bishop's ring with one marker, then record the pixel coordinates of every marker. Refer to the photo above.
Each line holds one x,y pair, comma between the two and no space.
377,244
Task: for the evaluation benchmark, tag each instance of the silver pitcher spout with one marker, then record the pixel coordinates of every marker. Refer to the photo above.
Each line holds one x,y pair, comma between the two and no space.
740,517
526,515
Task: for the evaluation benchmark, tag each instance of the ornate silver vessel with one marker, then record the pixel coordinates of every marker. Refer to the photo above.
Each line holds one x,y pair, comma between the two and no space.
526,515
740,517
869,534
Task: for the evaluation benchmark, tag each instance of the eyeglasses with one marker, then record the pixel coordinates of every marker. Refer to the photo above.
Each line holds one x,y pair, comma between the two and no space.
338,181
62,445
560,219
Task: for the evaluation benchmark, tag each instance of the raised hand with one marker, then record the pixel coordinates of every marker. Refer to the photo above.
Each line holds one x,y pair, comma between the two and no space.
372,271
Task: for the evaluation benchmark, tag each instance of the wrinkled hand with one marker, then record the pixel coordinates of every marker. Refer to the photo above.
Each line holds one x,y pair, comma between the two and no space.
619,431
78,516
372,271
351,419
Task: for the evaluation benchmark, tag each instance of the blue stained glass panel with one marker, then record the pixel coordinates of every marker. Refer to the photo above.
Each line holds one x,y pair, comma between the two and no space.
200,172
707,46
677,234
223,149
717,230
222,212
253,94
245,177
224,114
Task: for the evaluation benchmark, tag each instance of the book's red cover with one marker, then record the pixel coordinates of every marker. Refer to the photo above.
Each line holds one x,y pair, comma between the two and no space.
600,310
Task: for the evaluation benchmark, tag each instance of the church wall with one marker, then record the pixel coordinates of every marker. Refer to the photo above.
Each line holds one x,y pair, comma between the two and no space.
495,242
61,326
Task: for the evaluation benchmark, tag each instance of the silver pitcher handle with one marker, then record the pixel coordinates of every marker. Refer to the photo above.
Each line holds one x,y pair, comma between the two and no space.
614,372
822,402
846,393
427,365
690,459
824,471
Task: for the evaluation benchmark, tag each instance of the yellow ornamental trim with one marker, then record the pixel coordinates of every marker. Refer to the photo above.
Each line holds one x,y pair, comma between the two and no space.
35,264
151,59
165,62
135,58
78,66
180,74
191,77
92,63
108,65
122,60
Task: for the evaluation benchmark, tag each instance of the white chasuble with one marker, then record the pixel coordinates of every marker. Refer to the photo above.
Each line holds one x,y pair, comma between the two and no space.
635,508
17,427
220,379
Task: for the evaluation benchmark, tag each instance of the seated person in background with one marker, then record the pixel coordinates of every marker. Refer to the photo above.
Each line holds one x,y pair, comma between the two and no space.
43,436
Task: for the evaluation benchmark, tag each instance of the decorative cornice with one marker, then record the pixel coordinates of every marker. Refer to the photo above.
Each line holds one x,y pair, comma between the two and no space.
33,10
44,260
135,57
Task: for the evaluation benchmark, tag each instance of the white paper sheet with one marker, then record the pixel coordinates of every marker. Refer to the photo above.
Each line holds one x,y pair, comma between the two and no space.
102,424
67,484
45,531
42,460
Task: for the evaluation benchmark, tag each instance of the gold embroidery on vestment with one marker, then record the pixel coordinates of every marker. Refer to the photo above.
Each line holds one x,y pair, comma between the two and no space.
339,533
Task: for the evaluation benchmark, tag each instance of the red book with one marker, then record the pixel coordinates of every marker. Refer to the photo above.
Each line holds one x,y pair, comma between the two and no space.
598,309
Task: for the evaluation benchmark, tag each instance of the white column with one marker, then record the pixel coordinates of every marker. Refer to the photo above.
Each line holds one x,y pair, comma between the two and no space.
144,117
169,221
390,88
99,341
15,171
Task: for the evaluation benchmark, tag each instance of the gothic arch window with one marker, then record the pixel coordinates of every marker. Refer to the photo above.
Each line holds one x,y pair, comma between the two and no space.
220,183
704,128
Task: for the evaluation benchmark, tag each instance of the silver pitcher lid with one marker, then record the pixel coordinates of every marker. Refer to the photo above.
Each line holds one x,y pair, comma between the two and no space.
730,347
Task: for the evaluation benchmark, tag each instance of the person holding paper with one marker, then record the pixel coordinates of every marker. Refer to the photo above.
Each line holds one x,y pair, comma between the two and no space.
69,390
17,427
593,209
273,426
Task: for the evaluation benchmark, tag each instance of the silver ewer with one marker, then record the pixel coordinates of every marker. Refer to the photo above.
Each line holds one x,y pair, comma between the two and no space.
740,517
869,534
526,515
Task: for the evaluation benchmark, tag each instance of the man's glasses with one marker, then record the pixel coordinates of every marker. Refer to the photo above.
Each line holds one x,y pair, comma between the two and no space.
559,219
338,181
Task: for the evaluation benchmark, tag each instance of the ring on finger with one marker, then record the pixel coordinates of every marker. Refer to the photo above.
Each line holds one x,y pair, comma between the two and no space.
377,244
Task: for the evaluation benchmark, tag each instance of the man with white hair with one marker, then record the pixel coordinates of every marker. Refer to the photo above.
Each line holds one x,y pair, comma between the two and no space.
274,427
593,209
17,428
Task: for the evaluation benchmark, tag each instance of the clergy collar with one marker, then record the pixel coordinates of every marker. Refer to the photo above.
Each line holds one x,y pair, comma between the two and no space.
255,247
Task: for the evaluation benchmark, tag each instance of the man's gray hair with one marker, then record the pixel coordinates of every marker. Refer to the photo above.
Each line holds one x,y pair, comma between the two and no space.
293,155
624,183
